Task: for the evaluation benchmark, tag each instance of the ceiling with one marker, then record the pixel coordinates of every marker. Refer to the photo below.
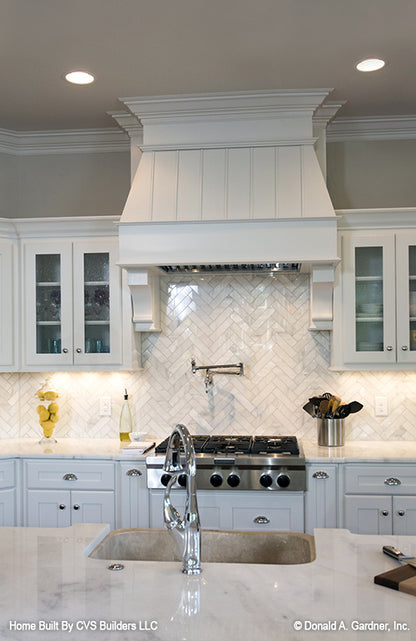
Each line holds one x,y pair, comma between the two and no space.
149,47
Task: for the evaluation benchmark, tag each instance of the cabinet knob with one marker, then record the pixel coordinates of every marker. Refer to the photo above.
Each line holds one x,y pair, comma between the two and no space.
401,512
404,348
262,520
78,350
62,506
392,481
133,473
70,477
77,507
384,512
65,350
389,348
320,475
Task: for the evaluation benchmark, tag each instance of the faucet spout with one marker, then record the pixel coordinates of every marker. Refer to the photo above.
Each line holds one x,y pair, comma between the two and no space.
187,531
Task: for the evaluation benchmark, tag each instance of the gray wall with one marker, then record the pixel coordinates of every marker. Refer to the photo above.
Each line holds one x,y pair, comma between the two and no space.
363,174
76,184
8,185
371,174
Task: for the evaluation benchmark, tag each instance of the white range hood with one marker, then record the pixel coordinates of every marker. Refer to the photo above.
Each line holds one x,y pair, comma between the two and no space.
227,179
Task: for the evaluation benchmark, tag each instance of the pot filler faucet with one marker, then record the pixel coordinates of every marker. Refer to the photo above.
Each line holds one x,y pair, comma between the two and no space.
186,531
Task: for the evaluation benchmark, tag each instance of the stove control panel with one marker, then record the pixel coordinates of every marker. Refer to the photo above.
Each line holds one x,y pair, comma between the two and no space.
279,478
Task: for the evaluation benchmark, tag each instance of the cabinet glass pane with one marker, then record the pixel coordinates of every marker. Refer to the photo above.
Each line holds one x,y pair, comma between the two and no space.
412,297
369,325
97,303
48,304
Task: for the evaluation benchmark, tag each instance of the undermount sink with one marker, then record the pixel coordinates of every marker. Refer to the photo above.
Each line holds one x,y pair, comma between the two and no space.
282,548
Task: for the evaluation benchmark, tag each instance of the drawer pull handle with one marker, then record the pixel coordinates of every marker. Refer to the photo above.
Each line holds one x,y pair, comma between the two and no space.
320,475
62,506
77,507
401,512
262,520
70,477
133,473
384,512
392,481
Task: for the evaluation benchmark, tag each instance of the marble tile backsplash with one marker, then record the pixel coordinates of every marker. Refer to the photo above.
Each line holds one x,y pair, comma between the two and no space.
258,320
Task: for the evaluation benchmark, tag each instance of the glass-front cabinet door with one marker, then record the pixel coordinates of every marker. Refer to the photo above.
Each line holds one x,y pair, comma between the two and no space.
369,299
97,304
72,306
406,296
47,303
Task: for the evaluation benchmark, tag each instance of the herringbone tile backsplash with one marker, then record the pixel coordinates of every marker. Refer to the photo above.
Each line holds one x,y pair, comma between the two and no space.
258,320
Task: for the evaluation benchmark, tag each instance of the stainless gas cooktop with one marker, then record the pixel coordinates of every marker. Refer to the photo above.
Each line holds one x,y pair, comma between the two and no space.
238,463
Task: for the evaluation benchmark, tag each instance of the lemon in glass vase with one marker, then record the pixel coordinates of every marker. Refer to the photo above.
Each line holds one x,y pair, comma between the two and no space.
48,413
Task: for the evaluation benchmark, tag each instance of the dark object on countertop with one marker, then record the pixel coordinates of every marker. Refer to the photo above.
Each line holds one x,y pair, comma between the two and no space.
310,408
402,579
329,406
350,408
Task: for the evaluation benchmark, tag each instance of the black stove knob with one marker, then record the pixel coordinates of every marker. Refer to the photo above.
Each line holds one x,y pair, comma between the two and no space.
216,480
283,480
182,480
266,480
165,478
233,480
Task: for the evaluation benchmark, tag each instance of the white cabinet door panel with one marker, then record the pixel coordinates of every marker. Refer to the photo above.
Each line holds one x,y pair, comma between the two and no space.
404,515
368,514
8,514
48,508
321,497
92,507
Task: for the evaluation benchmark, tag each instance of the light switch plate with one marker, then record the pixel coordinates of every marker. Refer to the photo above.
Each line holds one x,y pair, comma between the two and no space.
381,407
105,406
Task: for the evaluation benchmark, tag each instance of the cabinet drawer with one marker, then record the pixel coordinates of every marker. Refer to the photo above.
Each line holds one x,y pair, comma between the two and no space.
70,475
285,515
380,479
7,474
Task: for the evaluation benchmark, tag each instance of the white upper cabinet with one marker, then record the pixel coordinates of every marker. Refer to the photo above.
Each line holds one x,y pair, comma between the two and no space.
72,304
8,315
375,300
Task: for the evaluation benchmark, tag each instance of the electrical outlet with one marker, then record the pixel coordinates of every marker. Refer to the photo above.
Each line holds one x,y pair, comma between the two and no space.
105,406
381,408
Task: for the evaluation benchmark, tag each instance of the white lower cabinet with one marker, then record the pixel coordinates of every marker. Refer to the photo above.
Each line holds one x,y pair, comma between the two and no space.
9,497
380,499
321,498
133,495
222,510
59,493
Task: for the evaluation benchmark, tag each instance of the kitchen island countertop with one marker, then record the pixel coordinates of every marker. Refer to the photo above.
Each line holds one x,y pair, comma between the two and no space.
49,584
109,448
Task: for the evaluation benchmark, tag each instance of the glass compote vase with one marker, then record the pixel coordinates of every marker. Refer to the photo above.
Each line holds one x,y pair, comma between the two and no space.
48,413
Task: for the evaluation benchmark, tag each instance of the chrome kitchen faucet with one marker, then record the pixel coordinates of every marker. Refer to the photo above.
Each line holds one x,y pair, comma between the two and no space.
186,531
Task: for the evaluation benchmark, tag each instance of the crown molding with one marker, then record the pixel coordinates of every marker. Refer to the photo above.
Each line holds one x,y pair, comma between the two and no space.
129,123
67,141
372,128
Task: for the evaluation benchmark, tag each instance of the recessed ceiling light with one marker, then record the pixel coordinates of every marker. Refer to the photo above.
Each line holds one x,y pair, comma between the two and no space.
79,77
370,64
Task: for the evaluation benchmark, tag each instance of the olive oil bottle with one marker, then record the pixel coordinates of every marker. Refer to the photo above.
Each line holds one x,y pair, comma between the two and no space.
126,423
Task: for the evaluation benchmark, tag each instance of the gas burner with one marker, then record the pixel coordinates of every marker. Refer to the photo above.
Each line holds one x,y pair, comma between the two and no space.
264,445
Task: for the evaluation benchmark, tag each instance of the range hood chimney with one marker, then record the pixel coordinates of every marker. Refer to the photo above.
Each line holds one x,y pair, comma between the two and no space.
227,183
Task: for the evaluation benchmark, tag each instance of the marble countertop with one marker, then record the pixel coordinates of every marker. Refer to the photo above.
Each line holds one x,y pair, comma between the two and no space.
109,448
49,584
